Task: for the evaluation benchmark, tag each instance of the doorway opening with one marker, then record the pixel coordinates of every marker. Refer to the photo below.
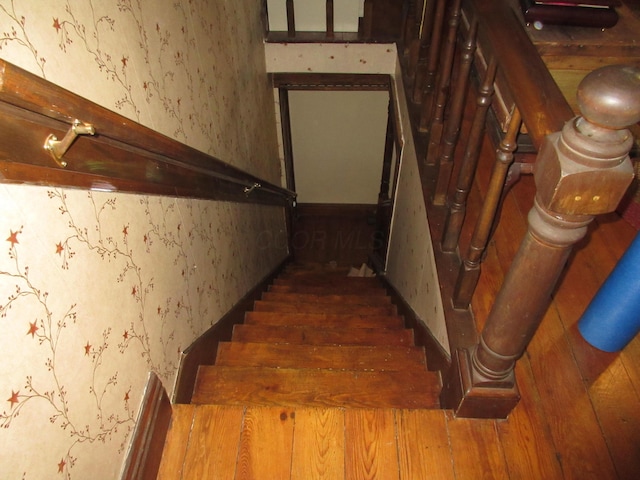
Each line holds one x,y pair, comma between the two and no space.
340,153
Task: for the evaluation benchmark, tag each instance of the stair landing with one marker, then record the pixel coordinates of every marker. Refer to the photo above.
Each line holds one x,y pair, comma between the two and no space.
274,443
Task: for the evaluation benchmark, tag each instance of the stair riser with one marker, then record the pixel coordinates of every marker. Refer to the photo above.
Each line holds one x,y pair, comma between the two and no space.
323,320
322,336
319,290
263,306
315,388
364,300
236,354
332,281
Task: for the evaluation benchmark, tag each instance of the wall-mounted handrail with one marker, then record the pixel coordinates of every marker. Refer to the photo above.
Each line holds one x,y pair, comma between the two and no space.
122,155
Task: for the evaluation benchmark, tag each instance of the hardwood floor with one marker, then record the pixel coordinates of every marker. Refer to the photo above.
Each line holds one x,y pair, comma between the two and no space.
320,443
579,416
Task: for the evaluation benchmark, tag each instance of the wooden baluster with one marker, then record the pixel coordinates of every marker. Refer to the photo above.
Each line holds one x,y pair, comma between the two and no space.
423,51
287,141
432,67
454,120
384,210
444,81
366,29
385,180
409,31
470,268
580,172
457,208
330,32
291,20
414,46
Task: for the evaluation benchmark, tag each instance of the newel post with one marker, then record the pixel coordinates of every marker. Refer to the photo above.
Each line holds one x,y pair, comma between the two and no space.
580,172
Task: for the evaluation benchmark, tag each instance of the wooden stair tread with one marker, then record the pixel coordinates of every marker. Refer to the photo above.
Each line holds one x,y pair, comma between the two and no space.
324,320
176,441
315,387
352,299
309,335
264,306
197,453
348,357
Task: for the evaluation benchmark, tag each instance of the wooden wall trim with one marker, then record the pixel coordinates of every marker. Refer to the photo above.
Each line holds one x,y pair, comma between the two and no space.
122,155
314,37
332,81
204,349
437,358
147,442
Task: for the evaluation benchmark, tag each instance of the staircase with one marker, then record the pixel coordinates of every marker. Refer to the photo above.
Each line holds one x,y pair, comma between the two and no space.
321,381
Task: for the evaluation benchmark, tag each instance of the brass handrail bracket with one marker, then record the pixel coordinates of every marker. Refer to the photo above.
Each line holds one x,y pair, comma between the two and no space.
248,190
57,148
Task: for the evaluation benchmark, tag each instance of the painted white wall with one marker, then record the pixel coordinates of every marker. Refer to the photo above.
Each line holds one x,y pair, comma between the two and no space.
338,145
411,267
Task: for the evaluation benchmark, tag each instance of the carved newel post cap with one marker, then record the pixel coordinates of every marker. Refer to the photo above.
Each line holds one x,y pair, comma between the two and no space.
610,96
585,169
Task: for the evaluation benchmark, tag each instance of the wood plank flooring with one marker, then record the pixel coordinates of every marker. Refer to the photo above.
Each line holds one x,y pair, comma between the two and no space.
275,443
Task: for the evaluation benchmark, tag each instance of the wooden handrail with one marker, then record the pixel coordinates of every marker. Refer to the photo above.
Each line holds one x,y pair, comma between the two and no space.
122,155
543,107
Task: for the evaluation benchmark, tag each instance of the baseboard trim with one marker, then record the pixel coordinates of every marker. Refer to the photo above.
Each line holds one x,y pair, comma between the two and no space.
437,358
204,349
147,442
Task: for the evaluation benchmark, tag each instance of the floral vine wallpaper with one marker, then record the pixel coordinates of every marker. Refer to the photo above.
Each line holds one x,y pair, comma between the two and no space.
96,288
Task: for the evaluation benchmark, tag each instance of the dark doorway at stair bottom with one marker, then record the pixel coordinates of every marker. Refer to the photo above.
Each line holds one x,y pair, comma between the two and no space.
334,233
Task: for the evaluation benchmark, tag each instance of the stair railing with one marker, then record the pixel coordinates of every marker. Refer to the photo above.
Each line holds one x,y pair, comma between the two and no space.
490,39
580,172
481,382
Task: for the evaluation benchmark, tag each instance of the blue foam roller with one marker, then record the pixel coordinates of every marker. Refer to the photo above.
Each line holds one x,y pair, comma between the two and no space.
612,318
